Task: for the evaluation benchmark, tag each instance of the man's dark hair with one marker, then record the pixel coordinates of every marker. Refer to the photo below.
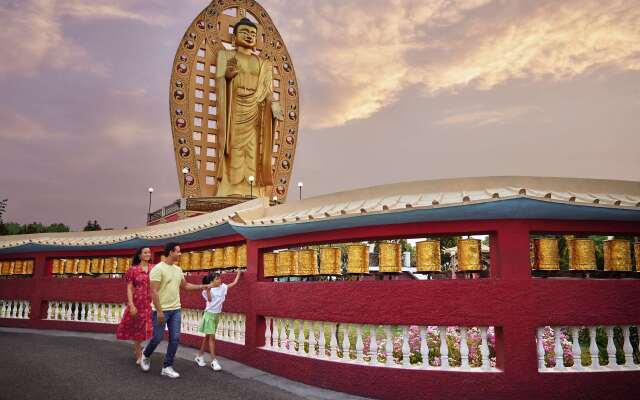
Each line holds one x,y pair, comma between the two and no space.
244,21
168,248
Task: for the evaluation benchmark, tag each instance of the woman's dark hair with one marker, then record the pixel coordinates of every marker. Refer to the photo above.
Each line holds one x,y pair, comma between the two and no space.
136,257
168,248
210,277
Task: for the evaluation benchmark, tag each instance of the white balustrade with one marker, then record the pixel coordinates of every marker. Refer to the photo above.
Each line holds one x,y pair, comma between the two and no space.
230,325
15,309
559,352
400,346
76,311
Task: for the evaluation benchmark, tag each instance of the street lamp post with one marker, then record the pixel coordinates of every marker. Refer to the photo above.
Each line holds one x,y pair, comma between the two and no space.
300,190
251,179
150,193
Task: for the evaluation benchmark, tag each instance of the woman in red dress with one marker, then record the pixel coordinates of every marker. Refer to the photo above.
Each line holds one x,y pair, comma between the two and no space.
136,321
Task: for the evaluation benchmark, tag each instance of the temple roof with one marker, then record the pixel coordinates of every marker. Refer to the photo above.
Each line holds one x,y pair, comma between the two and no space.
434,200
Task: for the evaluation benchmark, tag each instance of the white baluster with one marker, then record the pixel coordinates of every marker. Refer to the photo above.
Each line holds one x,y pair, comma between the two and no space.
388,346
76,315
312,339
424,347
102,315
94,312
333,342
322,353
576,352
627,348
359,344
484,349
276,334
558,349
20,309
243,329
444,349
14,309
406,351
611,349
541,353
464,348
593,349
301,337
267,333
49,310
28,310
289,335
373,345
2,308
234,328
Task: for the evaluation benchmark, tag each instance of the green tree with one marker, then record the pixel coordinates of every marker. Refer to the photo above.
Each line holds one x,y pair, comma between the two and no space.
58,227
92,226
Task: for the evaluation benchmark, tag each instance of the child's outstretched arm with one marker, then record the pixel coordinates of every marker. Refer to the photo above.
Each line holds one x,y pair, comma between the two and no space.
232,284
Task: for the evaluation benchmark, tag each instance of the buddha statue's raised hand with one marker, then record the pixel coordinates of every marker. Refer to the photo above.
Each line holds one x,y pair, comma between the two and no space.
232,69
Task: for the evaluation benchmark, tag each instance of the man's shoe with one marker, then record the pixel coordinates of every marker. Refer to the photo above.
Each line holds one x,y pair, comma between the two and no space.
145,363
200,361
169,371
215,365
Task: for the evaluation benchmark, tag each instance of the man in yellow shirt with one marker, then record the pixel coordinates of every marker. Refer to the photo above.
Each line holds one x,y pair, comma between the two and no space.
166,280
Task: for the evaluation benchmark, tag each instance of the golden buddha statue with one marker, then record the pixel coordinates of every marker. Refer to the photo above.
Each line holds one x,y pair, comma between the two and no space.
247,115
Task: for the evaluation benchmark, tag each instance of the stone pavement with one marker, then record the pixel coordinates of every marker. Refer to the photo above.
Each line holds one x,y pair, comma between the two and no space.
52,365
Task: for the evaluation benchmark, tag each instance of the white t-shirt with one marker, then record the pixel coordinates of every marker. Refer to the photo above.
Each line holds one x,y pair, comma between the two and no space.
217,298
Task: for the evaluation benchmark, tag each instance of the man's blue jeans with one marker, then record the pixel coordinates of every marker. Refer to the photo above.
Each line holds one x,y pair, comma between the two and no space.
173,320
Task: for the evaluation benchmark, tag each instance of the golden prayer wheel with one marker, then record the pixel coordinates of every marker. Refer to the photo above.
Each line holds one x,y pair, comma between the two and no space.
2,267
102,265
307,262
218,259
582,254
230,257
241,256
617,255
9,266
286,263
636,248
390,257
119,267
196,261
269,264
358,259
128,263
469,251
428,256
18,267
55,266
185,261
207,259
28,267
546,254
83,266
70,266
330,261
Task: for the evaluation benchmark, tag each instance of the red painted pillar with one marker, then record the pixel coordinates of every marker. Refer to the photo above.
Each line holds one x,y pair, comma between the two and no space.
40,274
254,324
512,269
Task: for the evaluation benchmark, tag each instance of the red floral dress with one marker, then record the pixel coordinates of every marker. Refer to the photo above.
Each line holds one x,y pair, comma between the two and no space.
138,327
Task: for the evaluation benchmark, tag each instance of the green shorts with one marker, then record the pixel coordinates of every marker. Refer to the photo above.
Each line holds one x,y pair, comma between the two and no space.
209,323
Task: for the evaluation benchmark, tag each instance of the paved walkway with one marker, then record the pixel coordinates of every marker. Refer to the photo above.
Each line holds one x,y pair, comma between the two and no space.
70,365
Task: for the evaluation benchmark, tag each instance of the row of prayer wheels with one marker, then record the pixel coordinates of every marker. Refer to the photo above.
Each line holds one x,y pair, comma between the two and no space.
94,266
582,254
16,267
222,258
428,259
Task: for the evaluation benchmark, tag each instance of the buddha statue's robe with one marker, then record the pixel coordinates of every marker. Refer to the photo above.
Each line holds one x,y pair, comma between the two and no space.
245,124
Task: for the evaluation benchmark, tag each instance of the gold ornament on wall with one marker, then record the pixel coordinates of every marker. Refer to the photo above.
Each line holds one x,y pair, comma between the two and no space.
547,254
196,261
617,255
469,255
230,256
269,265
428,256
330,261
82,266
70,266
286,263
55,266
307,262
207,259
218,258
582,255
358,259
390,257
241,257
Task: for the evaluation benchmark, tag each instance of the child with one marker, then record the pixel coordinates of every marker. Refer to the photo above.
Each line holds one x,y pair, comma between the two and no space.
214,297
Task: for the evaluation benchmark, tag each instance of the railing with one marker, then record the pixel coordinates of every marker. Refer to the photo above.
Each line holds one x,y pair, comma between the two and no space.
15,309
588,349
231,326
466,349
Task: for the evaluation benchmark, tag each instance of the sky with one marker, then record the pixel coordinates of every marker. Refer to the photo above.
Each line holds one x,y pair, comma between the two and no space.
391,91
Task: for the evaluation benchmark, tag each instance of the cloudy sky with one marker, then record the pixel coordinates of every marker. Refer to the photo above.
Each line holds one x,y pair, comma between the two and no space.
391,90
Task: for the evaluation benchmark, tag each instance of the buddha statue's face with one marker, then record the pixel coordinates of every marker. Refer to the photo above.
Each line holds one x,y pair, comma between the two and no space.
246,36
